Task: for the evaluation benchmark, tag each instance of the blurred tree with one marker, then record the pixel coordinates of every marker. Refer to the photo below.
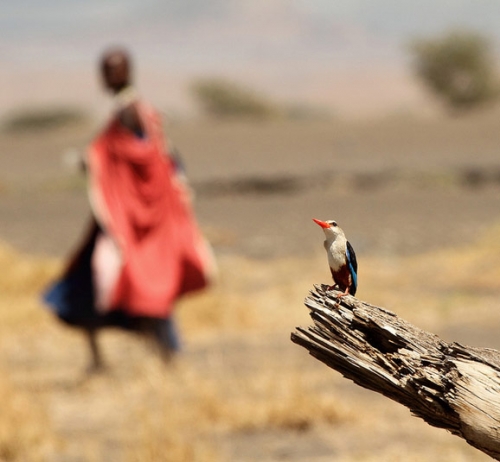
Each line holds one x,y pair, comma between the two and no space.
222,98
458,66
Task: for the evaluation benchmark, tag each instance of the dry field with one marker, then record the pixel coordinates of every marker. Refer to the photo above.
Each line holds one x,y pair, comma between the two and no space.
419,201
240,390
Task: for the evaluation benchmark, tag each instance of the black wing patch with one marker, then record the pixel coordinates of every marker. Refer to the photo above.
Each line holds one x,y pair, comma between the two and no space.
353,267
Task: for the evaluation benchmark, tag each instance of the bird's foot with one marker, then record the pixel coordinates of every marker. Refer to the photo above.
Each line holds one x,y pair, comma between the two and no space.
337,296
340,296
336,287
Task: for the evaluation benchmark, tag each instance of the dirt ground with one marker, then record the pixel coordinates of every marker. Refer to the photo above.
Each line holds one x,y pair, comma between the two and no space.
413,195
398,185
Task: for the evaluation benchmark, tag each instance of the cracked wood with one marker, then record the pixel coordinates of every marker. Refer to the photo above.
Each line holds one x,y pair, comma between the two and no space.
448,385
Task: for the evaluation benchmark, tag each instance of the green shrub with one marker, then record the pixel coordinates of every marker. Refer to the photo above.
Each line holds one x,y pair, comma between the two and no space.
222,98
458,67
43,118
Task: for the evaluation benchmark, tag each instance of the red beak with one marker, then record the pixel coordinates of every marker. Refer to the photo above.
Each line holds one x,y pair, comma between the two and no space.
321,223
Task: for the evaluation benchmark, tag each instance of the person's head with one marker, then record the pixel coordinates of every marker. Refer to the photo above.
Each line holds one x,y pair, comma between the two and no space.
116,69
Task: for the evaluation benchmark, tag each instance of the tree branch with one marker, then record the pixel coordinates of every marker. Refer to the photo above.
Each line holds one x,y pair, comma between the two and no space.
449,386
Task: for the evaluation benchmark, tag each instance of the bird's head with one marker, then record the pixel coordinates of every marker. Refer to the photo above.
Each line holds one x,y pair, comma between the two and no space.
330,228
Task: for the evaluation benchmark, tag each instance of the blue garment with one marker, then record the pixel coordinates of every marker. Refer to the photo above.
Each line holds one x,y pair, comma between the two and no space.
72,300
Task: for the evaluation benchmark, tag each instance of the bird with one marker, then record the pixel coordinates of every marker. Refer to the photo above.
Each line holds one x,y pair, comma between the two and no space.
341,257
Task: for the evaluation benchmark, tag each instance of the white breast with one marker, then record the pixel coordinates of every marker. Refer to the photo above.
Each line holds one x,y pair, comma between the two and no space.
336,252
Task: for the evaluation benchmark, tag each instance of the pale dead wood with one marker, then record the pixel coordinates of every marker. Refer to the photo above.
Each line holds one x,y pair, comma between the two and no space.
448,385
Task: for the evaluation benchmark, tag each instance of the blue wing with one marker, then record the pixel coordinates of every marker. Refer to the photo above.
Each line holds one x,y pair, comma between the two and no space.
353,267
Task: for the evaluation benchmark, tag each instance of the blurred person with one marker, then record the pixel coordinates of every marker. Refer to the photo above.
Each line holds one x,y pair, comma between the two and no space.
143,249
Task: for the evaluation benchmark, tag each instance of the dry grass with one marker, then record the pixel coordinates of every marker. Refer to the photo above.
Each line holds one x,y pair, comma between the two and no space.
25,431
432,290
240,382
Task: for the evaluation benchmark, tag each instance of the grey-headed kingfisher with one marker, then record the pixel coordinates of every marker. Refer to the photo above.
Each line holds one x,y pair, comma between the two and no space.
341,257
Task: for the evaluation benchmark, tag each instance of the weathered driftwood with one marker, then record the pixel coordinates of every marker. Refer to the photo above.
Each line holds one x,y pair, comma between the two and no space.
448,385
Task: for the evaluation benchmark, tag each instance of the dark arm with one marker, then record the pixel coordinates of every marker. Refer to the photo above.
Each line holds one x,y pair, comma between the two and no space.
130,118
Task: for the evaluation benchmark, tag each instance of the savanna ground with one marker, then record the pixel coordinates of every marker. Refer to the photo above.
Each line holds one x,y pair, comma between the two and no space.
418,199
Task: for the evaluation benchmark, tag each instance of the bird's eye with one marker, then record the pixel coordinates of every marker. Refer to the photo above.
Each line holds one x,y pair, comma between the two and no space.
333,224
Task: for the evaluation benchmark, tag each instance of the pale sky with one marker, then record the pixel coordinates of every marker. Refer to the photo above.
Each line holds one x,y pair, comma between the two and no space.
184,32
293,48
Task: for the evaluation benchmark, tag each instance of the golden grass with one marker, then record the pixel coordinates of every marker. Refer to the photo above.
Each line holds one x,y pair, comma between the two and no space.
25,432
239,376
192,411
447,286
22,274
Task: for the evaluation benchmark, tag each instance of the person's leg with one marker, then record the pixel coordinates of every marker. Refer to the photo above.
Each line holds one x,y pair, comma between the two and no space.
96,362
167,337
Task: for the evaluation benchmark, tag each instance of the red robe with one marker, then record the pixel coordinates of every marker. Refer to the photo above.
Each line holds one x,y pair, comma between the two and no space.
151,251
